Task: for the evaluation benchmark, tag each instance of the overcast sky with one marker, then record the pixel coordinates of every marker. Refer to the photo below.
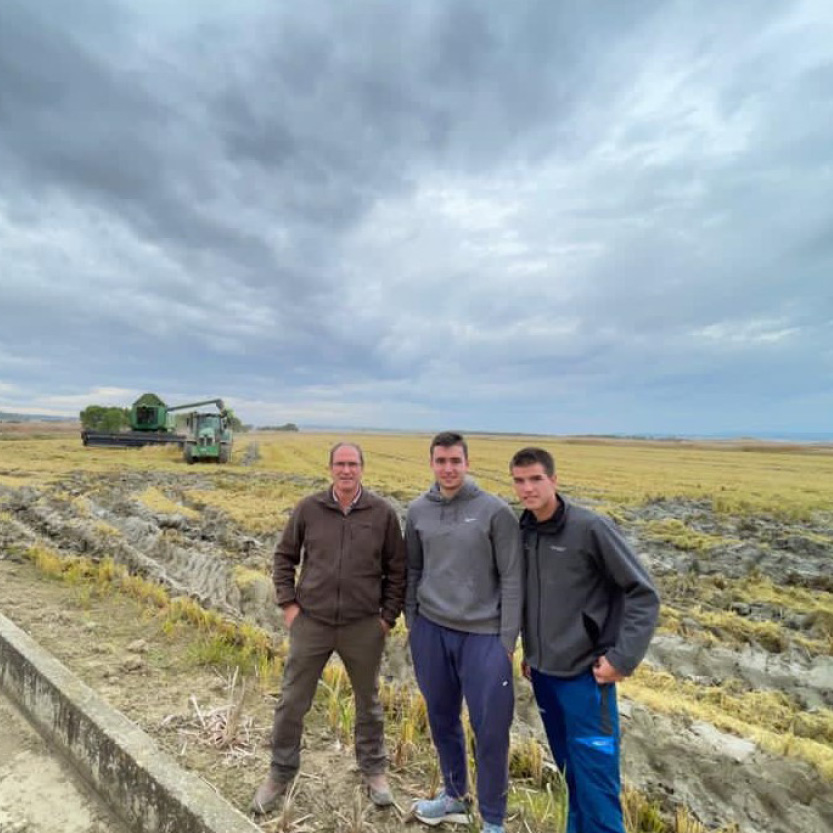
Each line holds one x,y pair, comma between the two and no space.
553,217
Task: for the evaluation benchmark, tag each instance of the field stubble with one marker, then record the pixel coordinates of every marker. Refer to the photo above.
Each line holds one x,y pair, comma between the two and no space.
739,539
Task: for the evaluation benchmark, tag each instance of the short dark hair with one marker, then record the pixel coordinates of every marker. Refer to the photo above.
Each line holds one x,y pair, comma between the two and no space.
446,439
530,456
339,445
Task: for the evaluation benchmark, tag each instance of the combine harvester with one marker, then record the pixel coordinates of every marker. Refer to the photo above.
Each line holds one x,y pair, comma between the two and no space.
208,435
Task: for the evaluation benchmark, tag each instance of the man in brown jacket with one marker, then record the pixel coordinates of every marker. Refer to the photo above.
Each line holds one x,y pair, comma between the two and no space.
349,593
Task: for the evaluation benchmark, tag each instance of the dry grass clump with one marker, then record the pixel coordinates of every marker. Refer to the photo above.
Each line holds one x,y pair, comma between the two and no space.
224,728
49,562
290,819
680,536
816,604
540,810
246,576
406,712
155,500
730,627
643,815
545,811
103,575
340,705
526,761
707,610
356,819
107,531
820,621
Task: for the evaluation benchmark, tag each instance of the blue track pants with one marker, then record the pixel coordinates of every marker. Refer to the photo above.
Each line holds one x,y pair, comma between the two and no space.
581,720
449,666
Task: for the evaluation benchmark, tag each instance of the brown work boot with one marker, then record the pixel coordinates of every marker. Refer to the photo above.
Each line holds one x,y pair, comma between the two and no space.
268,794
379,790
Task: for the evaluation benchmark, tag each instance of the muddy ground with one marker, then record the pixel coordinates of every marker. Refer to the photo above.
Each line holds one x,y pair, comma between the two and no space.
121,649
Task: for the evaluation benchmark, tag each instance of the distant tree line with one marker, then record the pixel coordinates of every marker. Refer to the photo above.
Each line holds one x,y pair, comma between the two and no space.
110,419
235,423
102,418
287,426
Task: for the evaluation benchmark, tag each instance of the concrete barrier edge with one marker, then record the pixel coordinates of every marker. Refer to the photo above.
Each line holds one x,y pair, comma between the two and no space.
143,785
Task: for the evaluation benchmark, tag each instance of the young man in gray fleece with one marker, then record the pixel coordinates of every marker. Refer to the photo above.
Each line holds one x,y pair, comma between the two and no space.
463,609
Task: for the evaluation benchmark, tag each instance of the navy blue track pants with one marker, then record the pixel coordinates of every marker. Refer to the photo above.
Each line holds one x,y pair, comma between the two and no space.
449,666
581,720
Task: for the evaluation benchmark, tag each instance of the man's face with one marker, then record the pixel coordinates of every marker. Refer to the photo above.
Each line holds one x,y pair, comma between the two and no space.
346,470
449,465
535,489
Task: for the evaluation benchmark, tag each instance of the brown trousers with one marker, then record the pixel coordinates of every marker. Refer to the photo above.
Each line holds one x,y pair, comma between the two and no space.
311,643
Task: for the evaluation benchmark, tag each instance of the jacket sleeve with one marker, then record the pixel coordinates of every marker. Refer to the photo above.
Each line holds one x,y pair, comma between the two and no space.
640,600
394,565
287,556
506,541
413,547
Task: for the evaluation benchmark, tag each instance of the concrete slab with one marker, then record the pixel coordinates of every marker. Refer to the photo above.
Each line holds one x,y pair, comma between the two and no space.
142,785
39,791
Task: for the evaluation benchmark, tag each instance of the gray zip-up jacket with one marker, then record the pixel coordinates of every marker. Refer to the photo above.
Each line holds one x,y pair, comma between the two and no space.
464,565
585,594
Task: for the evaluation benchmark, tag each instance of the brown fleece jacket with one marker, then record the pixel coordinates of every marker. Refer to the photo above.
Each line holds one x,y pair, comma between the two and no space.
352,565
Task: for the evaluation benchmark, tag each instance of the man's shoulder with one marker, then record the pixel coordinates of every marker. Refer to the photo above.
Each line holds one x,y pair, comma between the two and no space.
375,501
491,503
588,521
496,500
576,520
420,502
315,499
578,515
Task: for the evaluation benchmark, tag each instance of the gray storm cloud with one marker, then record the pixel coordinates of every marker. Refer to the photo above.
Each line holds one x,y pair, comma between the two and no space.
543,217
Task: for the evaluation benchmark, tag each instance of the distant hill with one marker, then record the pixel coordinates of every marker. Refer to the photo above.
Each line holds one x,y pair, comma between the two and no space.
5,416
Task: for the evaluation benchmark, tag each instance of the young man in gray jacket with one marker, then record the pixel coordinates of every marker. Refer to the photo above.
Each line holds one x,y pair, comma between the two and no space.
590,609
462,607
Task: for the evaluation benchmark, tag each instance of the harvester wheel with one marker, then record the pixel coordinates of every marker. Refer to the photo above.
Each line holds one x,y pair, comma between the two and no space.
189,457
225,454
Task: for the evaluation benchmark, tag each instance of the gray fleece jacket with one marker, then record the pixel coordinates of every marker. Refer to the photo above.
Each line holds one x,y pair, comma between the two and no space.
585,594
464,565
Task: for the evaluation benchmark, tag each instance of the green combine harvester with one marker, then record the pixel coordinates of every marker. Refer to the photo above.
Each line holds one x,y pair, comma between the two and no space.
206,436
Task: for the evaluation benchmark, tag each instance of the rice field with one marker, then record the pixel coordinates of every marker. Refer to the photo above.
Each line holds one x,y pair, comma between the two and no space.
696,508
789,482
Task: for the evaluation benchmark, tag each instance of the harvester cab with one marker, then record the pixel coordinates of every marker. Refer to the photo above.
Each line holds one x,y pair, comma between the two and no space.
149,413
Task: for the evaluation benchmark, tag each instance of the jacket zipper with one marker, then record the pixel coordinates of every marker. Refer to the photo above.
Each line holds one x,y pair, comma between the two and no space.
340,564
538,578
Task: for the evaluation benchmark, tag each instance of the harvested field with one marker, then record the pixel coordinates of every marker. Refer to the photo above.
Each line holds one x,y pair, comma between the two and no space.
149,578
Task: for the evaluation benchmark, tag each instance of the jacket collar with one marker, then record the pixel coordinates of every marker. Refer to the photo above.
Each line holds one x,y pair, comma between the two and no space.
353,503
550,526
328,499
